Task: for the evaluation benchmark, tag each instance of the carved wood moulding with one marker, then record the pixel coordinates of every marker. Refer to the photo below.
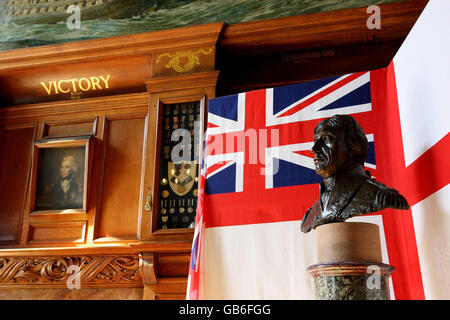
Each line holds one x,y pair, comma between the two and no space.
54,271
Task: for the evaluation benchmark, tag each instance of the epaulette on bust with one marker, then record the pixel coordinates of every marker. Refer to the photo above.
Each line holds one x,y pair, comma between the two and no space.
388,198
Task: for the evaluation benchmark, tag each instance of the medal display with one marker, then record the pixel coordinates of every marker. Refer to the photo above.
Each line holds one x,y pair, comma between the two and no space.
178,181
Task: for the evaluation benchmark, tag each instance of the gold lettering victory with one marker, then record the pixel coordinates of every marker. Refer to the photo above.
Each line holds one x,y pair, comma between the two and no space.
76,85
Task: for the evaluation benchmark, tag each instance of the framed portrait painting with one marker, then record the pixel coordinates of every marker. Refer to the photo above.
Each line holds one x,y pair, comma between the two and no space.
60,172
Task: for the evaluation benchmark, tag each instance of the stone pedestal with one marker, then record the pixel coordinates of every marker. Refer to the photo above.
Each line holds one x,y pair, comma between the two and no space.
350,263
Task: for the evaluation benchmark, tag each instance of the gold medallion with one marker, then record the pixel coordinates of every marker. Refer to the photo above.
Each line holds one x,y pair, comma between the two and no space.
195,192
181,210
165,193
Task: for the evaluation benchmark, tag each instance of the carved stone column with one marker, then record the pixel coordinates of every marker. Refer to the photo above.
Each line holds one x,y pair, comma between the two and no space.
350,263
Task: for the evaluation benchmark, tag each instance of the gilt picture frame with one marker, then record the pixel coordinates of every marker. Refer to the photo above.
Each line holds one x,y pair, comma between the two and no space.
60,174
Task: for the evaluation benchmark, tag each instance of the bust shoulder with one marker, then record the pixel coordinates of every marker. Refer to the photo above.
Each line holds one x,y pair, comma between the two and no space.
384,196
373,196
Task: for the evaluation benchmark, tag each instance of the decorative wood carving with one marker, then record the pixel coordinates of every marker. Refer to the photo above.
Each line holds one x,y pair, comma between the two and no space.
184,61
53,271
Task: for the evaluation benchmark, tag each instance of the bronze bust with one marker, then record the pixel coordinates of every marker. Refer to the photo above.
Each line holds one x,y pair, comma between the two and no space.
340,148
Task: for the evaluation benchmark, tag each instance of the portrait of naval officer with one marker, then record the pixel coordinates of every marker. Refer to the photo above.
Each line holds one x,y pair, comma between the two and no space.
66,192
340,149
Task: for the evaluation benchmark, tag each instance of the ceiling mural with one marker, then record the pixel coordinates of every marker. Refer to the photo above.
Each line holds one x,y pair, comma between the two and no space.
28,23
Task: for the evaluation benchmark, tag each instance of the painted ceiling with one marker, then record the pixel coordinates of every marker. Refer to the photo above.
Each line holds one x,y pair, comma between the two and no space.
28,23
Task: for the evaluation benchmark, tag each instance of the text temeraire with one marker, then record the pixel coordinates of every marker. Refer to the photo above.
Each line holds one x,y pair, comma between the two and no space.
76,85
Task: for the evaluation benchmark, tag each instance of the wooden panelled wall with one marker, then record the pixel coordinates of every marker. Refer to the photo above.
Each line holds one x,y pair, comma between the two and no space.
115,242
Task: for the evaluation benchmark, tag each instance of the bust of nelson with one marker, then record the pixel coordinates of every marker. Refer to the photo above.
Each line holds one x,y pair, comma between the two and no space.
340,148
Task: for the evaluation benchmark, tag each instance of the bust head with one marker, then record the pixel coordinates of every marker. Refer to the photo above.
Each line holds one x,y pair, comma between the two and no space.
339,143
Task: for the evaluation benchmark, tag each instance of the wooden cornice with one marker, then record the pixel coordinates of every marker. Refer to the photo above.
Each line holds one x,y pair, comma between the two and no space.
320,30
70,106
198,80
106,48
